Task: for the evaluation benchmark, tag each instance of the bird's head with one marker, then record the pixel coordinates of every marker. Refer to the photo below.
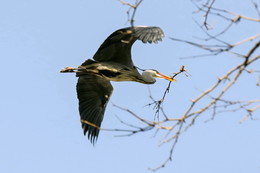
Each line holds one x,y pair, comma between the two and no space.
150,75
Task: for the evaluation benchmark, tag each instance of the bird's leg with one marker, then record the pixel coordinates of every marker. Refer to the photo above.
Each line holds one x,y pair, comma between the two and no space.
69,70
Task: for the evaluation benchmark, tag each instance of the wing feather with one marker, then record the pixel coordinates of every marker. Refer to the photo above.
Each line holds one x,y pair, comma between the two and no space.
117,47
93,93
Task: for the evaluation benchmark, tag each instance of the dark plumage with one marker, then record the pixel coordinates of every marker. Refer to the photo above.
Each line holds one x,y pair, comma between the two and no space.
112,61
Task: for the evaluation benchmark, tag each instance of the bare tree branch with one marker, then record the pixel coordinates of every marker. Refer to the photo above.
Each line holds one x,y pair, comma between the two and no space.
158,103
206,15
132,7
211,101
178,125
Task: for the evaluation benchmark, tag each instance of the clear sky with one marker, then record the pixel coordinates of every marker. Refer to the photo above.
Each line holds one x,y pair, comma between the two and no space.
39,120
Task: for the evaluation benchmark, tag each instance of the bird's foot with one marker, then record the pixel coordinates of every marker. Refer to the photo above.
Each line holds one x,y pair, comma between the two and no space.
68,70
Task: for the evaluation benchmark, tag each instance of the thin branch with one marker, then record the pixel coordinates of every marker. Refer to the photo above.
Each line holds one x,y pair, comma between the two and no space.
237,17
249,113
256,9
217,48
176,138
131,6
205,23
158,103
135,115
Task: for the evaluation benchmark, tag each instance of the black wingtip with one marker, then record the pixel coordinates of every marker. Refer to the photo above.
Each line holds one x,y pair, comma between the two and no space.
91,132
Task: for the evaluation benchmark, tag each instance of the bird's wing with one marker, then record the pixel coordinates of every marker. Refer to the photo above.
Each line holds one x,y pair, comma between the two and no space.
117,47
93,93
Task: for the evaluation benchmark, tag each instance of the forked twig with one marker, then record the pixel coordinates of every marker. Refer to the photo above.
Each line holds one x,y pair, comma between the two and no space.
131,7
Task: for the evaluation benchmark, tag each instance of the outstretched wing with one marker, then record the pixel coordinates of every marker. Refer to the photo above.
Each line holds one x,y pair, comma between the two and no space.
117,47
93,93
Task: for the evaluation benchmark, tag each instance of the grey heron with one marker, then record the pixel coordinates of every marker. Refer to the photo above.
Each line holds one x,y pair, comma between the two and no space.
112,62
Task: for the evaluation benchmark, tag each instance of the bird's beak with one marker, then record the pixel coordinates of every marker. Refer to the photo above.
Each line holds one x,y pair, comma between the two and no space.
159,75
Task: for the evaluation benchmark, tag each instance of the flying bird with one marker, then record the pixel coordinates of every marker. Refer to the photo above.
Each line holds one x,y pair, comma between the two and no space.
112,62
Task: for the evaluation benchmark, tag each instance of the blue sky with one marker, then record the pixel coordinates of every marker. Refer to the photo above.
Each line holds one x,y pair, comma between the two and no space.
39,121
